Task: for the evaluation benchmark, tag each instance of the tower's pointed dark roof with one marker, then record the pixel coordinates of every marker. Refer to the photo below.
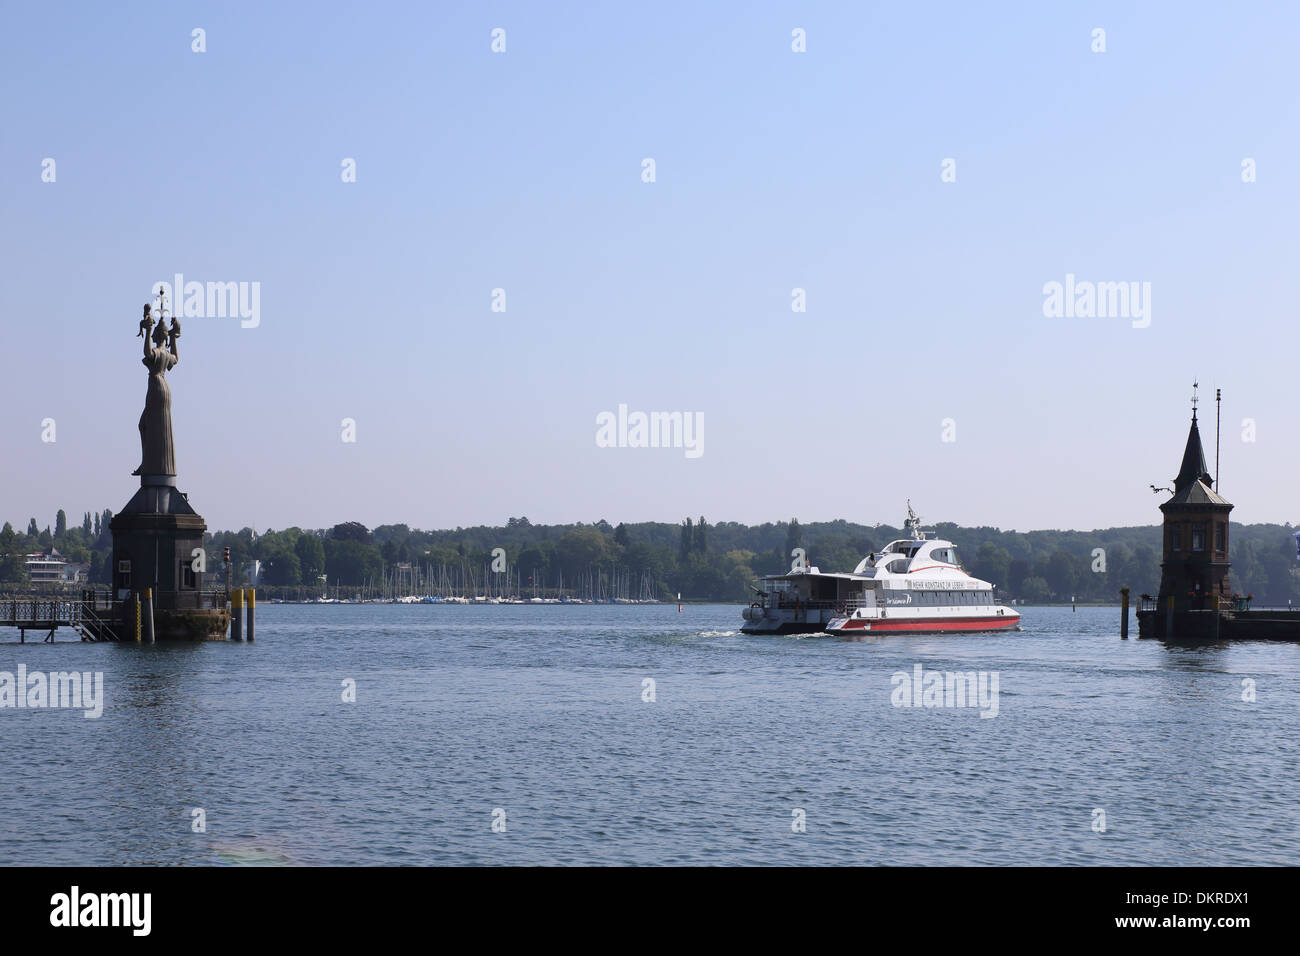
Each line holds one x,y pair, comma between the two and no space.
1193,468
1194,484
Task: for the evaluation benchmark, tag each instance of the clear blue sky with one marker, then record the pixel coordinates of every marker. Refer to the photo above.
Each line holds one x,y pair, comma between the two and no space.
775,170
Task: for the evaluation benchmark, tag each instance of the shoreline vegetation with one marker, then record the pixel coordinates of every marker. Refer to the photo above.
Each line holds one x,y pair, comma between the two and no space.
629,562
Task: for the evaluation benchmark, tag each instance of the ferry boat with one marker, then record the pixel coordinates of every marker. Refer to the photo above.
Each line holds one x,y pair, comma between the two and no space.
914,584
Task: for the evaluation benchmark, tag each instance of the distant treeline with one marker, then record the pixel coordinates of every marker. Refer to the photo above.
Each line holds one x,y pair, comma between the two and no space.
702,561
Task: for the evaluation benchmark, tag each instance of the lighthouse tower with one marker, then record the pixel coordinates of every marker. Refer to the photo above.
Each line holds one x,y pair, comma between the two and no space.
1194,571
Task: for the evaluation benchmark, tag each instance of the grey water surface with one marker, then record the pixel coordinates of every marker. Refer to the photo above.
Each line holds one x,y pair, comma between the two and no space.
536,715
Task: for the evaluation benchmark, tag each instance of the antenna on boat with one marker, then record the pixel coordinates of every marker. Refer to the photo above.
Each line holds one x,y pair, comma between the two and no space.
914,523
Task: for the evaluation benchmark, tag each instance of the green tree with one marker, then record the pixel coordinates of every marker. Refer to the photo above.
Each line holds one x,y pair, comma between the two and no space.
1018,571
351,531
60,524
793,537
580,549
101,569
533,564
311,557
352,563
13,568
85,525
992,563
1036,590
701,545
1062,574
32,530
282,567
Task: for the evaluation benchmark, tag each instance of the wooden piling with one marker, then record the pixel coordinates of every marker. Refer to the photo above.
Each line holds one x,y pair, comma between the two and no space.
237,614
252,608
1123,614
148,615
136,594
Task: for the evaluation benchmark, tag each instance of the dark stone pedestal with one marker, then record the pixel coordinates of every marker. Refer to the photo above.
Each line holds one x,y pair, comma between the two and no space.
154,543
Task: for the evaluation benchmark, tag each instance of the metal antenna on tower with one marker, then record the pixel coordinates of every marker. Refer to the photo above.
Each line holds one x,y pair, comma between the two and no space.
1218,413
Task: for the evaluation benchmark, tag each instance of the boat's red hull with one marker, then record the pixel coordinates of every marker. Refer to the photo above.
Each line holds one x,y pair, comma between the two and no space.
929,625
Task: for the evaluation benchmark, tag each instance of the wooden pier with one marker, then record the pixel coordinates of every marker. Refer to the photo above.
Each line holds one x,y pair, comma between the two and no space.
91,616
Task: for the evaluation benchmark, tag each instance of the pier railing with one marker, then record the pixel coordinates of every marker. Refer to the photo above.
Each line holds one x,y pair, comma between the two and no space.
1148,603
783,603
48,615
97,615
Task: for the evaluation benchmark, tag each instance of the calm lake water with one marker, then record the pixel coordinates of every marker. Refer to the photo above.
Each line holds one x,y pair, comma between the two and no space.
538,711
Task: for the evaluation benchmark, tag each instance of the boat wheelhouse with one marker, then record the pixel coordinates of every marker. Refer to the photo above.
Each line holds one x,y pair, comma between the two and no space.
914,584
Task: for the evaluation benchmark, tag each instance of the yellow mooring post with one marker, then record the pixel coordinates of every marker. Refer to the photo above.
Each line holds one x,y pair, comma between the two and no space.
148,615
137,616
1123,614
252,608
237,614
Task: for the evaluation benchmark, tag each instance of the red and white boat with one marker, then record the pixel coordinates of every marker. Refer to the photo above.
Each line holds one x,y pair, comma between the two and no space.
914,584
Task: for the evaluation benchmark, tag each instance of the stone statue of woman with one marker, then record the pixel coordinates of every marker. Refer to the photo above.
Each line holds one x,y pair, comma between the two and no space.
157,451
